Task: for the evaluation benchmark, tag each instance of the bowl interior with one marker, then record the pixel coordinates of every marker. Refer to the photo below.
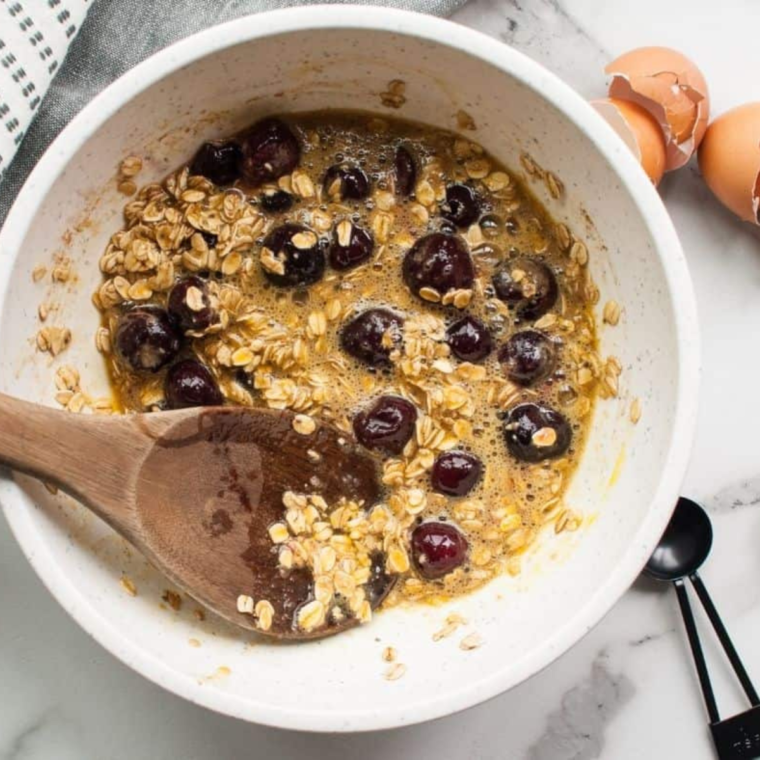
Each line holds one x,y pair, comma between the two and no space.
568,582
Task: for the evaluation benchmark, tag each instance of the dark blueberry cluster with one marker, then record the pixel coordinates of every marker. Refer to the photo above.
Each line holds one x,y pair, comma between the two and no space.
268,151
149,338
295,251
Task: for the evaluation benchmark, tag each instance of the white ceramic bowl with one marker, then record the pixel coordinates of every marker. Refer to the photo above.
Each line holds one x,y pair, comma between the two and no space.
343,57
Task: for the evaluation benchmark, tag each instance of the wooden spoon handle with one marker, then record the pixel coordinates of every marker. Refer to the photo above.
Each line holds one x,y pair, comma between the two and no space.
95,458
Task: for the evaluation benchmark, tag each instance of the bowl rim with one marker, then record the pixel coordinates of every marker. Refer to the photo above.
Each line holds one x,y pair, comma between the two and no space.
653,212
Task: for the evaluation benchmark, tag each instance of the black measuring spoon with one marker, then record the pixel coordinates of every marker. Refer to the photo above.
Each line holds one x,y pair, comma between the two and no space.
682,549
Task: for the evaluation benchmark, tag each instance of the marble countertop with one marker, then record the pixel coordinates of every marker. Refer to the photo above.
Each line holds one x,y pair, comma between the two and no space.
628,690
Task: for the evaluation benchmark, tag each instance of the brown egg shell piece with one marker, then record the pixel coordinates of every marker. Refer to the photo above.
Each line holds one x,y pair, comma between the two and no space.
729,159
639,131
671,88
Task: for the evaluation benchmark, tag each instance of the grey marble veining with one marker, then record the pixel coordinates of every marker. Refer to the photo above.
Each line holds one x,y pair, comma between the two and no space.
577,728
547,31
742,495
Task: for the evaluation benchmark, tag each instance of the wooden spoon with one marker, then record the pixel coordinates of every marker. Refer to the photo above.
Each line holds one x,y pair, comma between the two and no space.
196,490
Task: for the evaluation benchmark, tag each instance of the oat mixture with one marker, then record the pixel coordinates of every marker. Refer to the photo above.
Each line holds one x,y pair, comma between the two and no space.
391,279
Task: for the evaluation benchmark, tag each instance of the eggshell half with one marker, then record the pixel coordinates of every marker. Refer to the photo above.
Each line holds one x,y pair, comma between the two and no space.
672,89
639,131
729,159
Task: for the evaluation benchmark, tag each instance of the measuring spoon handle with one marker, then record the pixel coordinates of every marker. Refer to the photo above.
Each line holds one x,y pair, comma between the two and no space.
725,639
696,650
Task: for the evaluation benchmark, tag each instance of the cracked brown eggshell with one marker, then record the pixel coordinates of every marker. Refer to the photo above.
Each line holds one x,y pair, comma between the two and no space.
672,89
640,132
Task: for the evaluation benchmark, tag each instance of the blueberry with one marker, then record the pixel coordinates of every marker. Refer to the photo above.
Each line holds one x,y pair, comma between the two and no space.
351,245
189,304
380,581
405,171
147,338
300,252
276,201
218,162
437,549
270,150
244,379
534,432
189,383
371,335
438,261
462,205
456,473
344,182
528,356
529,287
387,425
210,238
469,339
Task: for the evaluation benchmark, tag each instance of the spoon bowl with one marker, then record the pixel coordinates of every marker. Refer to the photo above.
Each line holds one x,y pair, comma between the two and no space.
684,545
197,490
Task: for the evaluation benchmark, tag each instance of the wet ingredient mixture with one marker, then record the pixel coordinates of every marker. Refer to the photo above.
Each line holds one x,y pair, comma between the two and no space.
395,281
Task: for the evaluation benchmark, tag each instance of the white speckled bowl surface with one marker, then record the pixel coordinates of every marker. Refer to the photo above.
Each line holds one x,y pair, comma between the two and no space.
343,57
